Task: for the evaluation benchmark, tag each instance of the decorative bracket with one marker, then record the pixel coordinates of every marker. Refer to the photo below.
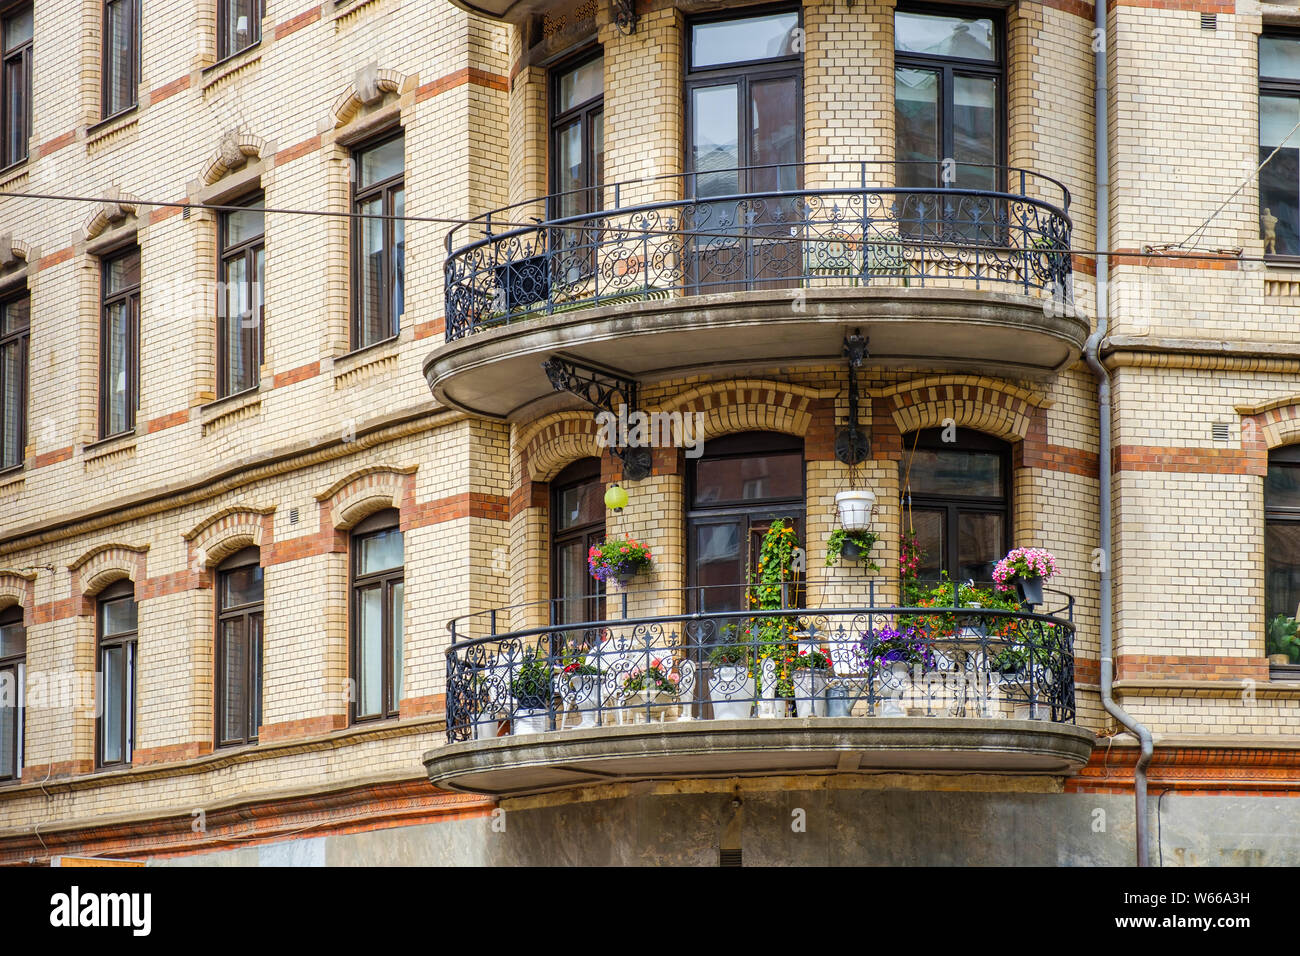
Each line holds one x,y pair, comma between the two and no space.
853,442
624,15
604,390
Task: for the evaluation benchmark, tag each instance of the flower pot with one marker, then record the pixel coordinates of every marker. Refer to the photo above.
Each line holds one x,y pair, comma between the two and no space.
850,550
584,697
775,707
839,703
892,683
1030,590
624,578
1279,660
486,728
650,706
732,691
809,684
530,722
855,508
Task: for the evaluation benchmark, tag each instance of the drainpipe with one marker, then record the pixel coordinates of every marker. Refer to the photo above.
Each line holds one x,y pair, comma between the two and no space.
1091,349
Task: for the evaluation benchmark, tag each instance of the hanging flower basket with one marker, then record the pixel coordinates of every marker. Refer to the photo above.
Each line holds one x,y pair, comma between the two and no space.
1026,569
619,559
856,509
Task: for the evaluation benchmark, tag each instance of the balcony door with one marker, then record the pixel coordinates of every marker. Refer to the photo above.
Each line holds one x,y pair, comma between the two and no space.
577,523
577,110
744,129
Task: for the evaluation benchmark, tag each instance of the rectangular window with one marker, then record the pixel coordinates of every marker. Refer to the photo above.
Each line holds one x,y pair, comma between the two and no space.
378,243
121,56
377,587
577,163
119,344
240,336
1279,130
239,26
16,83
116,624
13,691
239,649
15,318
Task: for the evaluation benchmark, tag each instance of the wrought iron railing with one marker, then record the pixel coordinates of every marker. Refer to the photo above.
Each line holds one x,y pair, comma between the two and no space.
956,661
818,226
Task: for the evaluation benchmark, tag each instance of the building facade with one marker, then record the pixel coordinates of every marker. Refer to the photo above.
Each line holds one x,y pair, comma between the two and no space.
268,595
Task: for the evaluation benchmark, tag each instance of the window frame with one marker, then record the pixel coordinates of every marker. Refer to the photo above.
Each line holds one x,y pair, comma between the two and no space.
581,472
23,53
247,250
1287,455
585,112
131,296
224,12
246,613
378,523
129,642
1281,87
384,190
948,66
134,35
22,341
18,664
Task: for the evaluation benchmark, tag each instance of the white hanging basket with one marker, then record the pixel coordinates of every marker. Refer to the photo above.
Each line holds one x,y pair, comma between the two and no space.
856,509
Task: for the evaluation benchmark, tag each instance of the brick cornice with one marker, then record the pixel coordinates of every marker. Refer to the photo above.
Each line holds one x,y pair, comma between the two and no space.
1232,767
1205,461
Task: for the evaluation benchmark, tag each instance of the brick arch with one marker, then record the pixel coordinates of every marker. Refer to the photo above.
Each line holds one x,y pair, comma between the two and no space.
369,89
114,212
11,250
237,147
750,405
16,589
99,567
352,499
1272,425
232,529
986,405
559,440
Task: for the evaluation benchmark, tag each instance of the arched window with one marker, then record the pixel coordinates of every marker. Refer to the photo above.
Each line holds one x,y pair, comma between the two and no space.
577,523
376,613
13,674
115,623
238,685
957,497
1282,533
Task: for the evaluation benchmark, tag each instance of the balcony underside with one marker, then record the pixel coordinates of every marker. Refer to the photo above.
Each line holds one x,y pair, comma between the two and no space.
534,763
497,372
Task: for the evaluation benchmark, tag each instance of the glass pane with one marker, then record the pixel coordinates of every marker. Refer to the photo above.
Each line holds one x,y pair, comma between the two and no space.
238,363
979,545
1279,180
573,582
399,259
241,586
1279,57
964,473
774,134
715,140
122,272
916,127
371,273
1282,486
975,131
380,552
929,528
18,28
111,666
583,83
720,561
117,346
15,315
370,648
748,479
579,505
234,700
17,126
970,39
255,672
9,699
118,616
241,28
13,640
13,410
736,41
119,70
1282,568
381,162
598,146
244,225
395,614
569,163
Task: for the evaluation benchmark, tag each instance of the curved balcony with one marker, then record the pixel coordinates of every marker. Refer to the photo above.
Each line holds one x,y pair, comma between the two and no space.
674,274
854,689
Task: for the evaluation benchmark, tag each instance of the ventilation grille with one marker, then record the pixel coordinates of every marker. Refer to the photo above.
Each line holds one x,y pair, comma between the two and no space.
1222,431
1209,21
293,512
729,858
185,212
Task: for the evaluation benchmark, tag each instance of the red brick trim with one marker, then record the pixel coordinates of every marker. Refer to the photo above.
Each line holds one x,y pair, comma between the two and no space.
34,773
290,153
1197,6
52,457
1207,461
164,584
54,259
303,727
169,89
294,375
425,330
1085,264
306,546
452,507
172,752
1076,7
57,143
163,213
167,421
1205,771
492,81
1134,257
294,24
422,706
1137,666
1087,670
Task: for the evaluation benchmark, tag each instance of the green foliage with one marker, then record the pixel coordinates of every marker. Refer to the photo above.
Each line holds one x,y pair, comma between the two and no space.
1282,637
533,685
865,540
772,636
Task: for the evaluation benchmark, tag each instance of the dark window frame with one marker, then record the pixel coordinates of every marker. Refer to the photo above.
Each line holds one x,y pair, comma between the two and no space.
385,190
129,642
226,254
17,663
379,523
1288,456
1281,87
22,53
585,112
134,35
249,614
950,66
581,472
225,10
21,339
131,296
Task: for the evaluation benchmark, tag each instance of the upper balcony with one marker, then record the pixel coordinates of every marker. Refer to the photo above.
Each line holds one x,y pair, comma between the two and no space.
741,267
956,689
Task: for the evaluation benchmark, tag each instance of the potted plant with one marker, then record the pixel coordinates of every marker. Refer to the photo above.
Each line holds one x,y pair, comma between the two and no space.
621,559
486,710
1026,569
533,689
731,686
895,655
809,669
580,683
1281,641
650,693
773,588
852,545
855,509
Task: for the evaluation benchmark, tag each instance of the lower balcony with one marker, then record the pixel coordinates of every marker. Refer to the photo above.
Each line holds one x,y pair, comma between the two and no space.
761,693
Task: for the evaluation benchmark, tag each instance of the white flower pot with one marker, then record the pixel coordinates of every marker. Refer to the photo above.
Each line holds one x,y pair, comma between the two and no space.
809,686
732,691
584,697
855,508
530,722
486,728
656,708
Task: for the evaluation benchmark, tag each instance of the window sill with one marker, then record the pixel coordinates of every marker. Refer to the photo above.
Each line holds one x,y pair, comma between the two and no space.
232,408
364,362
13,169
106,446
108,126
231,65
1284,672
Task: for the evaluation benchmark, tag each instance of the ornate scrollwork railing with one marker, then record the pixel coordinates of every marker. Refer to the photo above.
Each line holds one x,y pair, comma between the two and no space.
875,662
532,262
